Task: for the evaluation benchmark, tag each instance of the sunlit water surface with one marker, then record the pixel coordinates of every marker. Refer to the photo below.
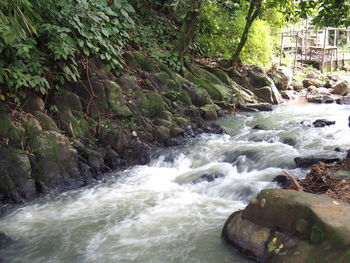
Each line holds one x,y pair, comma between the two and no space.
155,213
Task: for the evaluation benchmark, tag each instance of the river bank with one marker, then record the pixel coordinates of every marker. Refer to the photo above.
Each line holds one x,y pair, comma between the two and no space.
70,138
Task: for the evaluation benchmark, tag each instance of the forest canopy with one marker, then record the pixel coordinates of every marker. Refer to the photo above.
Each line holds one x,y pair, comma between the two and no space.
44,44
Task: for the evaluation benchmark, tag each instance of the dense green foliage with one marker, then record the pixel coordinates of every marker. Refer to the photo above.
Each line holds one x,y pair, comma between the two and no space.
42,42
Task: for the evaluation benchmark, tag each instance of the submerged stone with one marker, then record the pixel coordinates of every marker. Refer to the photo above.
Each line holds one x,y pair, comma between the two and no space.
305,162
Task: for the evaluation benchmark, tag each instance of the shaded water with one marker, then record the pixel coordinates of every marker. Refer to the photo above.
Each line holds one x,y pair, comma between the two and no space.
155,213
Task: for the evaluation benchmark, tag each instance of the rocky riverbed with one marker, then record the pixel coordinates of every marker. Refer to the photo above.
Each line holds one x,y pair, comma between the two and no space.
174,208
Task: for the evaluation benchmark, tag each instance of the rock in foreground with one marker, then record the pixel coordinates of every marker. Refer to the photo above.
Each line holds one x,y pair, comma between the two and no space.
291,227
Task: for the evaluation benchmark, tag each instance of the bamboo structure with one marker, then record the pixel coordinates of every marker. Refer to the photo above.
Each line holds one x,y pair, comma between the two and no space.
318,47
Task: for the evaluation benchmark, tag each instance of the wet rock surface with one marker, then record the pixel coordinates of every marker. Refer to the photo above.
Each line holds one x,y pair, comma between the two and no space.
344,100
323,123
208,177
4,241
305,162
282,180
308,228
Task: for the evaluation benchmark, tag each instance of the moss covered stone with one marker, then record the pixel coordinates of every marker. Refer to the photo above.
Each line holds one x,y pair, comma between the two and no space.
302,226
317,234
152,104
146,63
16,183
10,131
74,123
163,78
128,84
218,89
130,60
70,114
222,76
176,131
56,165
34,103
162,133
65,100
46,122
181,97
32,129
165,123
117,101
212,91
210,107
181,121
166,115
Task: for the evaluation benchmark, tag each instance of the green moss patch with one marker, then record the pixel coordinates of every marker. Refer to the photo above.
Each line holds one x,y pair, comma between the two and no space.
152,104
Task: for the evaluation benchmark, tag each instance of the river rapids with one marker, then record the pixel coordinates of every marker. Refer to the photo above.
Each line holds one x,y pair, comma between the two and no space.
162,212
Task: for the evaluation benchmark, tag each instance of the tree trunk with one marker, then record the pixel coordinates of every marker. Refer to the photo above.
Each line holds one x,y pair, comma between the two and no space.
189,29
253,13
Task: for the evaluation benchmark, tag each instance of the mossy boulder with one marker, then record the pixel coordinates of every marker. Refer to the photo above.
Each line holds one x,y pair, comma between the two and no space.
16,183
128,84
162,133
265,94
257,79
56,161
162,78
166,115
108,132
209,87
117,101
34,103
130,60
11,133
152,104
219,90
181,121
176,131
281,76
210,112
67,100
222,76
146,63
70,114
32,128
198,95
165,123
308,227
46,122
180,97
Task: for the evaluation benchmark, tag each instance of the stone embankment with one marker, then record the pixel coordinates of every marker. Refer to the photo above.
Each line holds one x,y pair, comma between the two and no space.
71,137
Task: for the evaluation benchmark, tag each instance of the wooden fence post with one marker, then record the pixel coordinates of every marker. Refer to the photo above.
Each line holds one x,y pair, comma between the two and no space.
281,50
324,50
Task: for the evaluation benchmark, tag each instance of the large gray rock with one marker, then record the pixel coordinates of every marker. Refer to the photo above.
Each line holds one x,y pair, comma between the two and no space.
341,87
265,94
34,103
56,161
263,87
16,183
313,82
256,107
320,99
344,100
282,77
292,227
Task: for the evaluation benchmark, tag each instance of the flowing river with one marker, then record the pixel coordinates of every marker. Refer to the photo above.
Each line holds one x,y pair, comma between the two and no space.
161,213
